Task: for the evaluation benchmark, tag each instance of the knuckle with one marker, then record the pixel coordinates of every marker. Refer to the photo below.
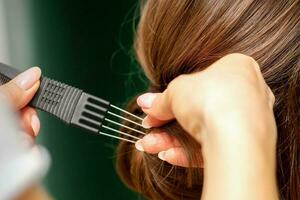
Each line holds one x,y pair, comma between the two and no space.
271,96
174,86
243,58
175,83
250,65
170,90
239,56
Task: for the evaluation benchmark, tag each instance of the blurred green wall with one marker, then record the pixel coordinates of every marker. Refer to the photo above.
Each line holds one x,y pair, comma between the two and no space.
85,44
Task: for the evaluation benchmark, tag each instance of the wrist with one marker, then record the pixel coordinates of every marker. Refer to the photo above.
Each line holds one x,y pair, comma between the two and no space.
240,144
239,124
240,156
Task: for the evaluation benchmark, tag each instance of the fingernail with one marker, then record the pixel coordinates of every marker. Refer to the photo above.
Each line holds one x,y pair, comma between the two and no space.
150,139
161,155
146,100
35,124
28,78
139,146
145,123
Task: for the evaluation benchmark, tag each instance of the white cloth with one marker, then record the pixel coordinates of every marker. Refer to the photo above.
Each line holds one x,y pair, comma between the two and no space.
21,162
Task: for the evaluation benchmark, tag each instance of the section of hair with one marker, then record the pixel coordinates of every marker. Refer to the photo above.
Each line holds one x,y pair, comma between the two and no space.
154,178
186,36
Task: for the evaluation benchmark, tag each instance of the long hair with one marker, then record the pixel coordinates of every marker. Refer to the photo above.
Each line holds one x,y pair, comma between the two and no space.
186,36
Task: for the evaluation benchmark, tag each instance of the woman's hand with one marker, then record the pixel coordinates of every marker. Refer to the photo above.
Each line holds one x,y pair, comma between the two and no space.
230,95
228,109
19,92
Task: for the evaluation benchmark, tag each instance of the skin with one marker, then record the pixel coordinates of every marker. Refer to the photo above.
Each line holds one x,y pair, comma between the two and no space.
230,113
36,192
19,92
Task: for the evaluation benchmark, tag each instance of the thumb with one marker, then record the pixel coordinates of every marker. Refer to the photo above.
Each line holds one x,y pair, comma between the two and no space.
22,88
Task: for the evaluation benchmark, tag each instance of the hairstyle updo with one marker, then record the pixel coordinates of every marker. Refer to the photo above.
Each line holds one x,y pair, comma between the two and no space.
186,36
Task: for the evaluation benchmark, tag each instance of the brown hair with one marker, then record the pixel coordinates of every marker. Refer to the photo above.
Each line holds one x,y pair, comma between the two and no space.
185,36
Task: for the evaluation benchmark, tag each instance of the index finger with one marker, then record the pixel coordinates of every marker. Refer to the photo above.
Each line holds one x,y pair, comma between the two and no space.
158,108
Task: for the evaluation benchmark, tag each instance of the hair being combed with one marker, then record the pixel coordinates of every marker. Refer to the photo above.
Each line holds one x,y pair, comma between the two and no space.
186,36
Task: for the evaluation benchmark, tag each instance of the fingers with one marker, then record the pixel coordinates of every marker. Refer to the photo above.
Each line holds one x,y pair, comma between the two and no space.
157,107
22,88
157,142
20,91
150,121
175,156
167,147
30,121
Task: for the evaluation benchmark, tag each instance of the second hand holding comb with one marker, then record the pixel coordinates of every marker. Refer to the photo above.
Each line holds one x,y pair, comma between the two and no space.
76,107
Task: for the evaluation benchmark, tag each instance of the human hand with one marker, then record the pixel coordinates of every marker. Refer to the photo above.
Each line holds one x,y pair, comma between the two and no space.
228,101
19,92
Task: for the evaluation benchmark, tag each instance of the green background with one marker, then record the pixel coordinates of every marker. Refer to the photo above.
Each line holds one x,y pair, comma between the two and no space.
86,44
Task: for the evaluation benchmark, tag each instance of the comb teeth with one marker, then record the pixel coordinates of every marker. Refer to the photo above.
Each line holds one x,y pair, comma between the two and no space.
89,112
73,106
86,111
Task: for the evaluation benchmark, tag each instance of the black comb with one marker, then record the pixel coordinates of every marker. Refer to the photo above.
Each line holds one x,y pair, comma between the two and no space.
76,107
